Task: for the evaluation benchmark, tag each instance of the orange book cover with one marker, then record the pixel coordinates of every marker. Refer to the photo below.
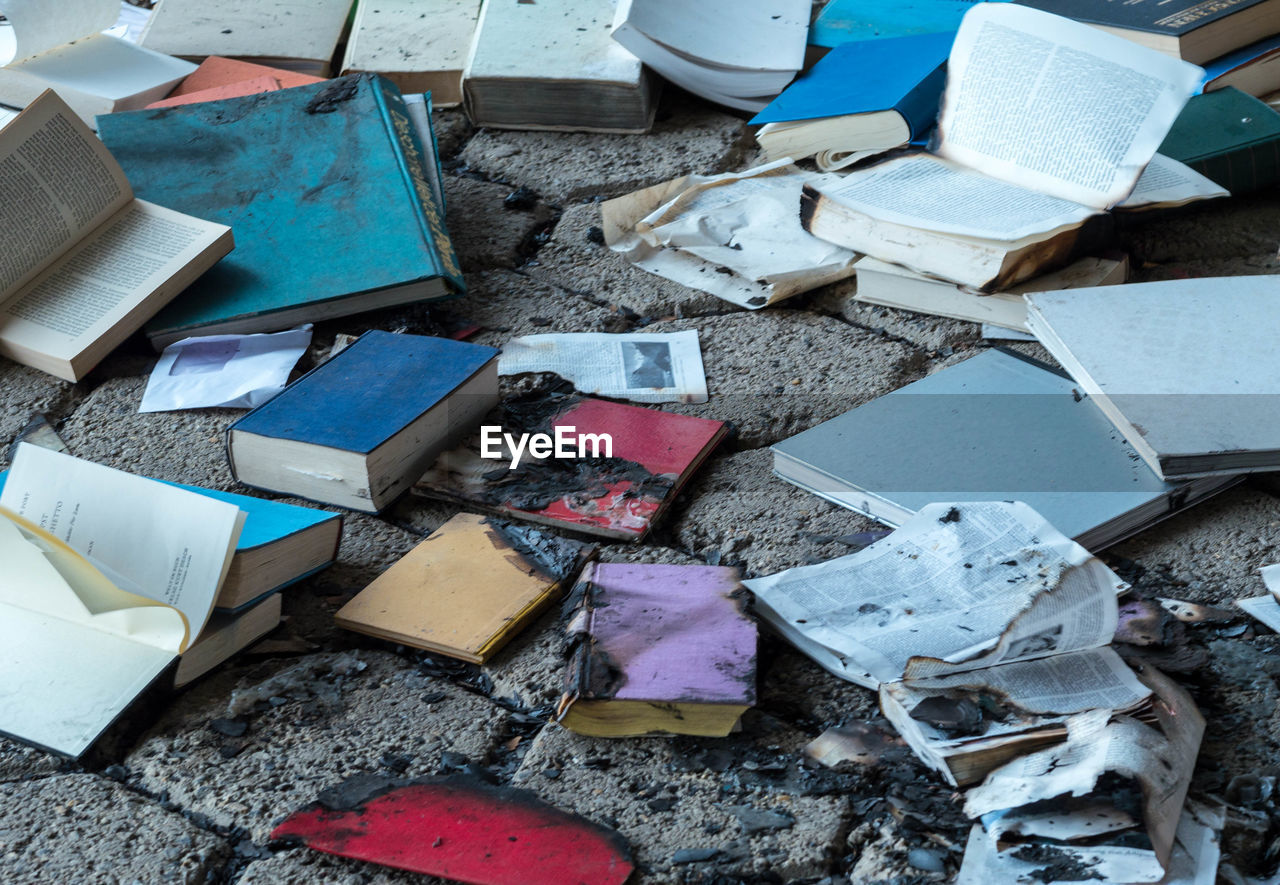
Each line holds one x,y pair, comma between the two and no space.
217,71
231,90
468,588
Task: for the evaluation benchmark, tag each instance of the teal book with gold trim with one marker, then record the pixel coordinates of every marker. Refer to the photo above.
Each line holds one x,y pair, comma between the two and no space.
326,190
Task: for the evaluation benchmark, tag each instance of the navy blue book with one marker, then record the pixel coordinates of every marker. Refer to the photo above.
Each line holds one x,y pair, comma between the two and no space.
279,545
326,188
359,429
843,21
865,96
1192,30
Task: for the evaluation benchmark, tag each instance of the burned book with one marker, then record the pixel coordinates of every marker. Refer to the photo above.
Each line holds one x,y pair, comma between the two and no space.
466,590
658,648
578,463
461,828
1106,802
982,626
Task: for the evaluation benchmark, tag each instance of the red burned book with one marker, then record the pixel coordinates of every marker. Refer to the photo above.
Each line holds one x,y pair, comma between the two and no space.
616,490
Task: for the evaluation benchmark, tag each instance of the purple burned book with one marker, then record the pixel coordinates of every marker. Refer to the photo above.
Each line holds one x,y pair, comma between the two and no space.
658,648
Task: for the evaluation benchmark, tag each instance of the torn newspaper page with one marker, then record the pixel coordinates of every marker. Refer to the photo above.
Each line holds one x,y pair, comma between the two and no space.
1166,183
1109,767
227,371
646,368
737,236
965,724
1195,858
970,584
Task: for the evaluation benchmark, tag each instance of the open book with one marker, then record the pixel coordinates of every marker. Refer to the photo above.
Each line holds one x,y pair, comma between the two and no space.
1044,123
95,73
85,263
981,624
107,579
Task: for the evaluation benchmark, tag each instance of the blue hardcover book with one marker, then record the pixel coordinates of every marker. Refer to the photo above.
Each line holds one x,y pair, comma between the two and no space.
903,74
279,545
325,187
1254,69
997,427
359,429
845,20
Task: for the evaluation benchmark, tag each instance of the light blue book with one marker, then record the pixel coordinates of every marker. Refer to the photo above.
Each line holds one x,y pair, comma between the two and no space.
280,544
997,427
846,20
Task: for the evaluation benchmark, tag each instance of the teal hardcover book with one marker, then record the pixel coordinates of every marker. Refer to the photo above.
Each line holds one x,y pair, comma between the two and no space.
845,20
327,191
279,545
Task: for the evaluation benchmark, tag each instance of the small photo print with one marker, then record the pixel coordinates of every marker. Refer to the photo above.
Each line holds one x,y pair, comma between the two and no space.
1037,643
647,365
203,357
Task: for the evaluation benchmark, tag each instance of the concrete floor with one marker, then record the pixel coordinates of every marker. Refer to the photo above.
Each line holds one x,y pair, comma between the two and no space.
177,801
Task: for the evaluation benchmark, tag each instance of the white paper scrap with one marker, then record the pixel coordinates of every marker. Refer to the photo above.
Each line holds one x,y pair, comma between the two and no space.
227,371
646,368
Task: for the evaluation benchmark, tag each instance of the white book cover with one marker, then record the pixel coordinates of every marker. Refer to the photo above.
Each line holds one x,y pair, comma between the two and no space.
1187,370
549,41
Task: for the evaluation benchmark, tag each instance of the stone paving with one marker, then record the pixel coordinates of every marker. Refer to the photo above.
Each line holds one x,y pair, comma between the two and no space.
176,799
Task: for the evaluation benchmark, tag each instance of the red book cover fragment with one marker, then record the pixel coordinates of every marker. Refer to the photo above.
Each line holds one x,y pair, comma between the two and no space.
462,829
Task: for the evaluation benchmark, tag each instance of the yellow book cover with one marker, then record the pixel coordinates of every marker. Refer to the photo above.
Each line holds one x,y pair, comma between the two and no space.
467,589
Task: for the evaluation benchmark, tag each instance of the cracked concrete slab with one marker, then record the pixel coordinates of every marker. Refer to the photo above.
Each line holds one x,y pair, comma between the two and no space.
681,816
301,865
688,136
484,231
28,392
508,304
1212,552
575,258
774,373
85,828
739,512
319,720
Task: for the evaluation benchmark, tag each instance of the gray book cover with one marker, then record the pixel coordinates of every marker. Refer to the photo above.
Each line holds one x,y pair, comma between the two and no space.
1187,370
996,427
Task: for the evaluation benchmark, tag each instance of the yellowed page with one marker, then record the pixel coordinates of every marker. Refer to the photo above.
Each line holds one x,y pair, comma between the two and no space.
45,576
148,538
57,183
38,28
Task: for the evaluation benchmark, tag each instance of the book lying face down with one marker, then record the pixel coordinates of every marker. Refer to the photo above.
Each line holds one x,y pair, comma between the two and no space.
575,462
466,590
658,648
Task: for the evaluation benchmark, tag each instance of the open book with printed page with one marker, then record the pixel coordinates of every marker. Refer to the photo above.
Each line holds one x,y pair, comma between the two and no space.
108,579
85,263
1044,124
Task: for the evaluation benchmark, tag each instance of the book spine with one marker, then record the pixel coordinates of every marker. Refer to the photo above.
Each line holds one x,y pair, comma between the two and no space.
919,107
1249,168
412,159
